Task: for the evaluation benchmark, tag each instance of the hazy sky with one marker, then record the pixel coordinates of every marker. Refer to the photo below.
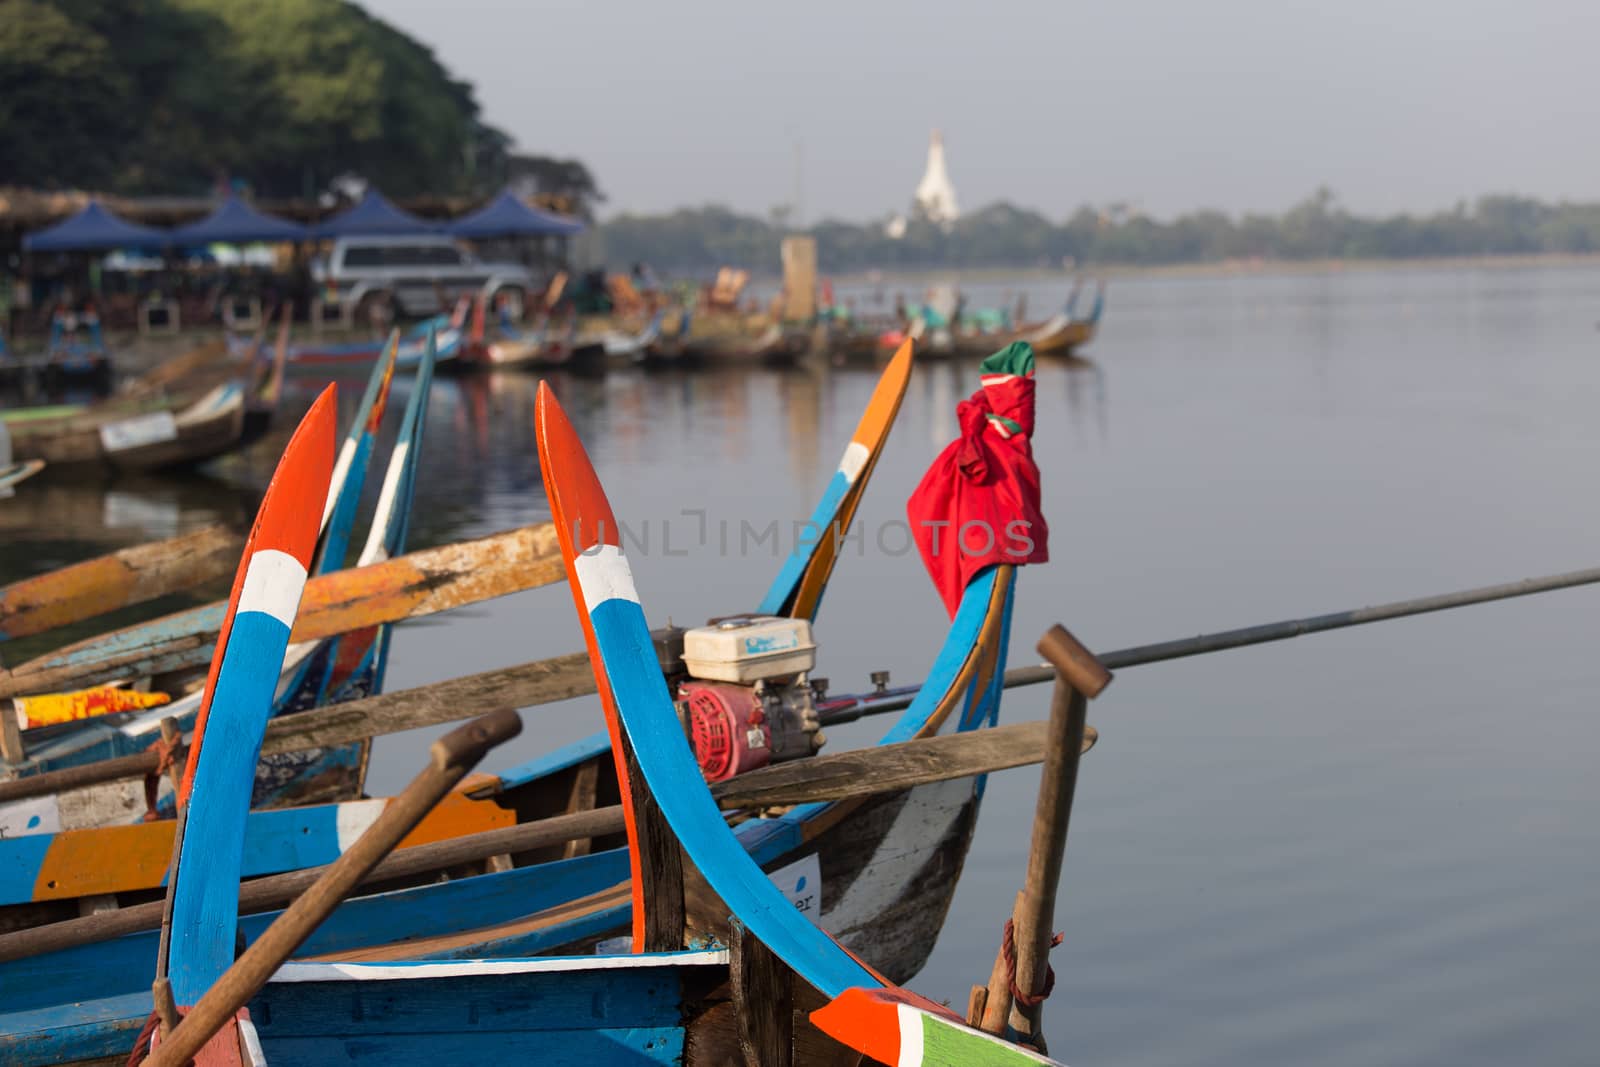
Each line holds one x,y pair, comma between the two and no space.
1171,104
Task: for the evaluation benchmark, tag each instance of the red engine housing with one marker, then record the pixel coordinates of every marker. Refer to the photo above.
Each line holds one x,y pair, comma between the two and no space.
728,728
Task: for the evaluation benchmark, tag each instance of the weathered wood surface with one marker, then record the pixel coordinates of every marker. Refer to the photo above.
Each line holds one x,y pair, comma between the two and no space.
886,768
451,757
763,1000
1080,676
117,580
893,767
420,583
660,865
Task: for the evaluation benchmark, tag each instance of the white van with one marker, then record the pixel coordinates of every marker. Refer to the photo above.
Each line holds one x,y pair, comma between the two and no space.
415,276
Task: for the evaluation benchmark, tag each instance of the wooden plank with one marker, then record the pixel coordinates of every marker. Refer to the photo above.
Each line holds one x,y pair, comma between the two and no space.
420,583
763,1000
582,798
118,580
840,775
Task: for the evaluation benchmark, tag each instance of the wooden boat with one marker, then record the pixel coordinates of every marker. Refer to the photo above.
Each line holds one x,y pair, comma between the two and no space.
664,1006
729,338
546,345
449,332
164,436
328,670
12,474
1060,335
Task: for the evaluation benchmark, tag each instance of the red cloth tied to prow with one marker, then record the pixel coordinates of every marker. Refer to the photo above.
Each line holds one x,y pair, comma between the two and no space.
978,505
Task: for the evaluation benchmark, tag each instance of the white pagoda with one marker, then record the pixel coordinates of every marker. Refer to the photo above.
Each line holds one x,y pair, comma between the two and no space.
936,197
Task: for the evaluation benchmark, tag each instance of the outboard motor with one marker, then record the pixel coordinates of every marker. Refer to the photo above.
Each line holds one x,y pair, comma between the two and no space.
744,696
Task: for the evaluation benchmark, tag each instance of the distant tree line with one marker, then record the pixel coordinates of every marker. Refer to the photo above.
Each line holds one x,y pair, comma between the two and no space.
170,96
1003,235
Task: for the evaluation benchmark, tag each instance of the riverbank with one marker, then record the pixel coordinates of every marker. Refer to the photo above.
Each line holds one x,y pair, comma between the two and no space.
1240,268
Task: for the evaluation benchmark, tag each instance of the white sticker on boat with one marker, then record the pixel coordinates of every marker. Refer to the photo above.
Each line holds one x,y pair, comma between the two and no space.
139,431
801,882
35,815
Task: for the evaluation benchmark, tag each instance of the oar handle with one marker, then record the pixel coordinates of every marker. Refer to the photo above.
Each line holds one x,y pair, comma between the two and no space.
451,757
1075,665
462,748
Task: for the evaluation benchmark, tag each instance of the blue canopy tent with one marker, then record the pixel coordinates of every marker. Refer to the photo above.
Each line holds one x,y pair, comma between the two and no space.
94,228
507,216
235,222
374,216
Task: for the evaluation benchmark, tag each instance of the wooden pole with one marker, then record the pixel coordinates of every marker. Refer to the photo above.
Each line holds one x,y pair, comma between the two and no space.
1079,678
452,757
849,709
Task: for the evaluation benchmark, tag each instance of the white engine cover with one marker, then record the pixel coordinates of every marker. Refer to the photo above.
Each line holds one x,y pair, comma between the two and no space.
748,649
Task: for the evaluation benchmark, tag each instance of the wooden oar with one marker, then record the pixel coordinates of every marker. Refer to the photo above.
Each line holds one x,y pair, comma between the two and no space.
420,583
840,776
451,757
117,580
848,709
1022,967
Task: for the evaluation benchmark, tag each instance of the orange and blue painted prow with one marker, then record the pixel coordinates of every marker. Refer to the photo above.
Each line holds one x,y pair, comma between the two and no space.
798,588
628,675
214,797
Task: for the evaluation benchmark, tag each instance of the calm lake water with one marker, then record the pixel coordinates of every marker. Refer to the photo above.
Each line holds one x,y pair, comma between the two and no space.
1374,846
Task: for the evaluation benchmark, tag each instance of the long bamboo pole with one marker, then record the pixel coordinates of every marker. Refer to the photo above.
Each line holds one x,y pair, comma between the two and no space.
848,709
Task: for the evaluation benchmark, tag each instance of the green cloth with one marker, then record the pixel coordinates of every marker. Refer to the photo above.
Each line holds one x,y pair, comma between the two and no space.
1015,358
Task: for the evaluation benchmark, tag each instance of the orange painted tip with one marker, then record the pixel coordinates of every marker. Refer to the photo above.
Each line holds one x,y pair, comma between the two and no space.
391,352
303,474
287,522
578,503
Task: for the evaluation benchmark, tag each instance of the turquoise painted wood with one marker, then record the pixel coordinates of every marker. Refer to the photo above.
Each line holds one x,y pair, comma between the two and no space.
783,586
202,895
81,1030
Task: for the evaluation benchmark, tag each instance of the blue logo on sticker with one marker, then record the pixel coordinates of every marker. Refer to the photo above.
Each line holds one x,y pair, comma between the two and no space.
774,643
